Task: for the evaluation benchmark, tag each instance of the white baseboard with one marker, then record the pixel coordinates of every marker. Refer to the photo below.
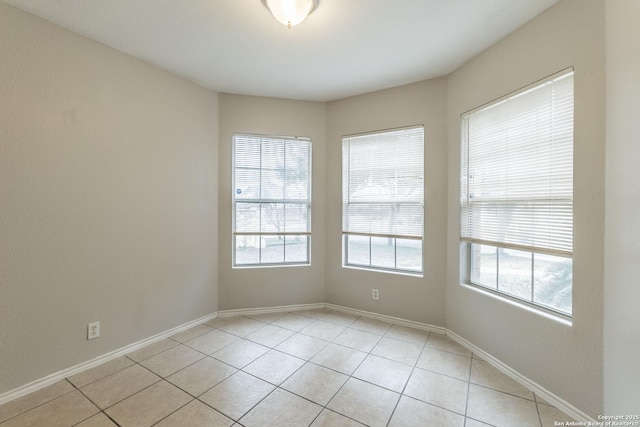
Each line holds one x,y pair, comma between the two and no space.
389,319
264,310
65,373
556,401
355,312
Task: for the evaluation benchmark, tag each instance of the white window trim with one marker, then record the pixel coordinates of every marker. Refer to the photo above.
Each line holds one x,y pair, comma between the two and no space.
307,202
346,233
469,241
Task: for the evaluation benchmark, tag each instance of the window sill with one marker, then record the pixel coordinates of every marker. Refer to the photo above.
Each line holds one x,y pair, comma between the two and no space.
381,270
253,266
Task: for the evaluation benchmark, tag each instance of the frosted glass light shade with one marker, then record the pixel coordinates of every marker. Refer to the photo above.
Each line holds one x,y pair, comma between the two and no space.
290,12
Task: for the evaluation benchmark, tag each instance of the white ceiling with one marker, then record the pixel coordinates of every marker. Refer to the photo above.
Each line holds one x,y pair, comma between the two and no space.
344,48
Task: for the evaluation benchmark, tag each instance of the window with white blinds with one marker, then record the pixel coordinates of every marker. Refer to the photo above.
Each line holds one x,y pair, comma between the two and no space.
383,199
271,200
517,193
517,170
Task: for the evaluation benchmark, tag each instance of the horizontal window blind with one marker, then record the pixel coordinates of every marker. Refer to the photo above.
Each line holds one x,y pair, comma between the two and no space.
383,183
517,170
271,197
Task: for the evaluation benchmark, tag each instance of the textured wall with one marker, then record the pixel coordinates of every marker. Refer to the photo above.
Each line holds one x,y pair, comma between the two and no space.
271,286
415,298
622,293
108,199
567,360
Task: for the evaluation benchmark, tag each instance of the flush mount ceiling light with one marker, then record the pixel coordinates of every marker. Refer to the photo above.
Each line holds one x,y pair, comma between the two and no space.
290,12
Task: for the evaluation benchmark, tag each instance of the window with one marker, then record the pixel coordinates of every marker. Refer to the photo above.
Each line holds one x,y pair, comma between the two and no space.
517,194
271,200
382,200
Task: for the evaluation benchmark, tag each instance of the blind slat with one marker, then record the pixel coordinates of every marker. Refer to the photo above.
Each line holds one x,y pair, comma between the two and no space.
383,183
517,169
272,185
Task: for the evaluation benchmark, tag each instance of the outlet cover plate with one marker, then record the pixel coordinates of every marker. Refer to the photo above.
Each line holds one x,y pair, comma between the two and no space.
93,330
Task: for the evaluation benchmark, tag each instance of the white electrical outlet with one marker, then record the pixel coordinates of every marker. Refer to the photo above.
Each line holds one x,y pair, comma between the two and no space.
375,294
93,330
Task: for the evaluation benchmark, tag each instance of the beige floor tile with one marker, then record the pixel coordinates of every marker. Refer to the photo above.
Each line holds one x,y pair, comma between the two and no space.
400,351
31,400
364,402
470,422
281,408
266,317
442,342
403,333
172,360
269,335
323,330
274,366
98,420
195,414
152,349
550,415
240,353
501,409
445,363
315,383
359,340
329,418
191,333
371,325
439,390
314,313
384,372
66,410
302,346
216,322
477,356
100,371
239,325
486,375
412,412
211,342
293,322
339,358
149,406
237,394
116,387
201,376
339,317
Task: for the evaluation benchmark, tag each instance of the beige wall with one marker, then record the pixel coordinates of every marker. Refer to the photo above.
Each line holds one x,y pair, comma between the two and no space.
566,360
111,185
108,199
271,286
622,269
420,299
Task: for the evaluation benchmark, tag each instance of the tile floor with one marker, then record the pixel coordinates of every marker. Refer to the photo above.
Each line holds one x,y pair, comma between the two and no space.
309,368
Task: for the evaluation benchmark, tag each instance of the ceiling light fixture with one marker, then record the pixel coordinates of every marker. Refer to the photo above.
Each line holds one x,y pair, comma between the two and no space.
290,12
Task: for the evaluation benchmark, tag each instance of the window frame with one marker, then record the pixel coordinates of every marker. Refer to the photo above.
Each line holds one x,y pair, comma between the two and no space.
469,242
346,262
261,201
530,302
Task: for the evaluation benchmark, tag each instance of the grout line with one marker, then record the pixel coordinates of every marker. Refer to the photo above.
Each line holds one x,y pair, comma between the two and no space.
41,404
109,417
535,398
503,392
466,403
